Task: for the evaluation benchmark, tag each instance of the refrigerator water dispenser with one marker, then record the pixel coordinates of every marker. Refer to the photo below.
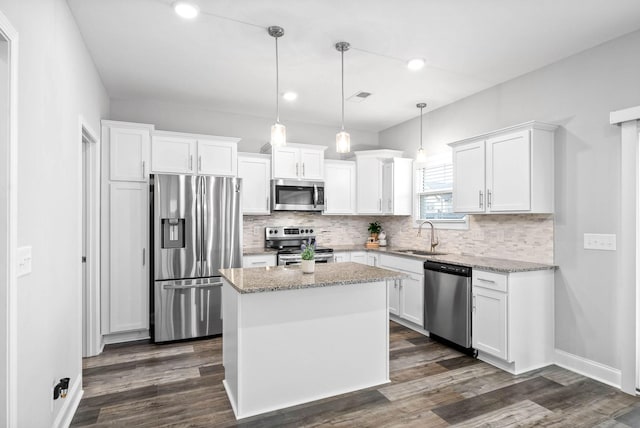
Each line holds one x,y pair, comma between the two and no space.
172,233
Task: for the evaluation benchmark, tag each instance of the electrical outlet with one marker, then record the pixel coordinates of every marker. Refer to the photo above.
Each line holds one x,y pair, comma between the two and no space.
500,236
256,230
599,241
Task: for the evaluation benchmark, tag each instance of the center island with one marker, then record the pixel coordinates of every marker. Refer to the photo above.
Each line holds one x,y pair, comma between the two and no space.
290,338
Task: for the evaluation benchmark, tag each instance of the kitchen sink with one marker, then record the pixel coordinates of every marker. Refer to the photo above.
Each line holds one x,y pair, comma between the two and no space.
422,252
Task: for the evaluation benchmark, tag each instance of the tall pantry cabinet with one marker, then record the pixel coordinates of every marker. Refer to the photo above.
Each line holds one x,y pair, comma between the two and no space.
126,155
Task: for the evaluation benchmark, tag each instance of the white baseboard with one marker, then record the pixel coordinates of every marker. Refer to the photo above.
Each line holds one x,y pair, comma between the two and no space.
408,324
70,405
589,368
127,336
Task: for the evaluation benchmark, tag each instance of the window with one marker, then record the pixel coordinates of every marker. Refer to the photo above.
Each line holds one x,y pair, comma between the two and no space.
434,192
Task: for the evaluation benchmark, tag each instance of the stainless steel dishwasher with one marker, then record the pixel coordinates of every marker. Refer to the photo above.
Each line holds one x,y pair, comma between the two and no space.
447,302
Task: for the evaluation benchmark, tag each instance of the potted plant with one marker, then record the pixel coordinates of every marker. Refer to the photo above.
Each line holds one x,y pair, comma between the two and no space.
308,263
374,229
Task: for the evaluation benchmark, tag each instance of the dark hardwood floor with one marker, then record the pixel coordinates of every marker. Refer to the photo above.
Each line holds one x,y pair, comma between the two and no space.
146,385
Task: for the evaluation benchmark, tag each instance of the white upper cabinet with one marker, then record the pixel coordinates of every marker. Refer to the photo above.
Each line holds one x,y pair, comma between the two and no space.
129,147
397,186
298,161
217,157
173,154
384,182
178,153
369,185
506,171
340,187
255,171
468,178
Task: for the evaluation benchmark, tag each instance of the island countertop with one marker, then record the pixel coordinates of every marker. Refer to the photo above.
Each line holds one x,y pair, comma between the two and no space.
275,278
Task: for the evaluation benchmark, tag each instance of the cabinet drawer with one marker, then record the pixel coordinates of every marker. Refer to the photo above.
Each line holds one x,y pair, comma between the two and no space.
258,260
401,263
490,280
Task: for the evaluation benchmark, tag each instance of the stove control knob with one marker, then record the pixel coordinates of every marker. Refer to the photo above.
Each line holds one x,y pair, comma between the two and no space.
311,231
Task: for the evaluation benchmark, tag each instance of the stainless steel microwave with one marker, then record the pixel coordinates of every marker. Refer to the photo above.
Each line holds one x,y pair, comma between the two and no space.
294,195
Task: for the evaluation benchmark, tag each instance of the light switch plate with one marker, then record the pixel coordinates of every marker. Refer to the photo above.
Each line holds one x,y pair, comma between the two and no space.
599,241
24,260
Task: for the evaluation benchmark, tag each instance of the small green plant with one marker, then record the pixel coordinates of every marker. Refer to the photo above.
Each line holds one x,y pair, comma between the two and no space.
375,227
308,253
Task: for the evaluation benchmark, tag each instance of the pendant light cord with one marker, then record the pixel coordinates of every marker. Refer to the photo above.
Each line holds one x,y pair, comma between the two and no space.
277,86
421,127
342,75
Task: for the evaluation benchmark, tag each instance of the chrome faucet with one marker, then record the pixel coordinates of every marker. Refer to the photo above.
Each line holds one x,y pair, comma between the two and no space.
434,239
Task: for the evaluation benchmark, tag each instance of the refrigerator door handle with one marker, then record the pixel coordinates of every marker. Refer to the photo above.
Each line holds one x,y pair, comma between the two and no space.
186,287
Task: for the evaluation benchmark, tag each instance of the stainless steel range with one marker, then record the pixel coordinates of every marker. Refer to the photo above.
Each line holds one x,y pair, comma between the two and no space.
289,241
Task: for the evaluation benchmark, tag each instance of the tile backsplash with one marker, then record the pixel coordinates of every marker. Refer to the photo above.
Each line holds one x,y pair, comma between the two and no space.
527,237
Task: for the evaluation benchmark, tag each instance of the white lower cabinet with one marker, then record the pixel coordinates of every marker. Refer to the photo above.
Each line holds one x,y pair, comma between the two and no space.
406,295
373,259
489,320
513,318
359,257
341,257
258,260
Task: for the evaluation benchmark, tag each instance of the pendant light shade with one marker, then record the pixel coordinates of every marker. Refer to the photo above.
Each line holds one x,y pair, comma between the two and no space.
421,155
343,139
278,130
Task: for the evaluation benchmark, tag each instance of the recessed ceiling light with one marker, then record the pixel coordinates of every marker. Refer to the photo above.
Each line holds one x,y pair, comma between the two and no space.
290,96
186,10
415,64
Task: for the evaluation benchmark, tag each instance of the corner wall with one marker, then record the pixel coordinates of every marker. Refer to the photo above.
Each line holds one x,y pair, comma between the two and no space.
576,93
57,83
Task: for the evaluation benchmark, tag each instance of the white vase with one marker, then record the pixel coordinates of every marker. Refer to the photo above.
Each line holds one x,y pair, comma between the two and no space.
308,266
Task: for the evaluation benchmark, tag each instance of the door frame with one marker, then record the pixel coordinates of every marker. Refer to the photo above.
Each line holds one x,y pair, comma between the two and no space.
92,341
9,299
628,299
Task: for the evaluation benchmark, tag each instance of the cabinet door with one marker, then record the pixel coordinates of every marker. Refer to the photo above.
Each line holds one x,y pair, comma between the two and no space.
129,154
128,256
369,185
311,164
387,188
372,259
393,293
489,322
402,186
469,178
286,162
340,187
509,172
341,257
412,299
217,157
173,155
359,257
258,260
255,173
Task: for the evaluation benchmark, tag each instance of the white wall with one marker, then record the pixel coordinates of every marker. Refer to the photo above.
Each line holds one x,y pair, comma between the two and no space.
57,83
576,93
254,131
4,152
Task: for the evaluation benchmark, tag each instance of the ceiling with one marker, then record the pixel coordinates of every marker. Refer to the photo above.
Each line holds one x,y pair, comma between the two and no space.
224,60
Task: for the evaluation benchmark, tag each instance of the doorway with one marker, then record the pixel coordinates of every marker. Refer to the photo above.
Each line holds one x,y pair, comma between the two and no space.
90,182
8,221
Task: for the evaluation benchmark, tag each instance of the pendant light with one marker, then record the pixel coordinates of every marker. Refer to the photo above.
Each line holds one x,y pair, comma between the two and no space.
278,130
421,156
343,139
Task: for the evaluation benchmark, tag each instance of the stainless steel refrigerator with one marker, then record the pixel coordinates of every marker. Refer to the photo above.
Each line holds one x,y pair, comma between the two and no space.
197,229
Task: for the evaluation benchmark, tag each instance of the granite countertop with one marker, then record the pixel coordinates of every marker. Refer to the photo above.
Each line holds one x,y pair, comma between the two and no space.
475,262
261,279
253,251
